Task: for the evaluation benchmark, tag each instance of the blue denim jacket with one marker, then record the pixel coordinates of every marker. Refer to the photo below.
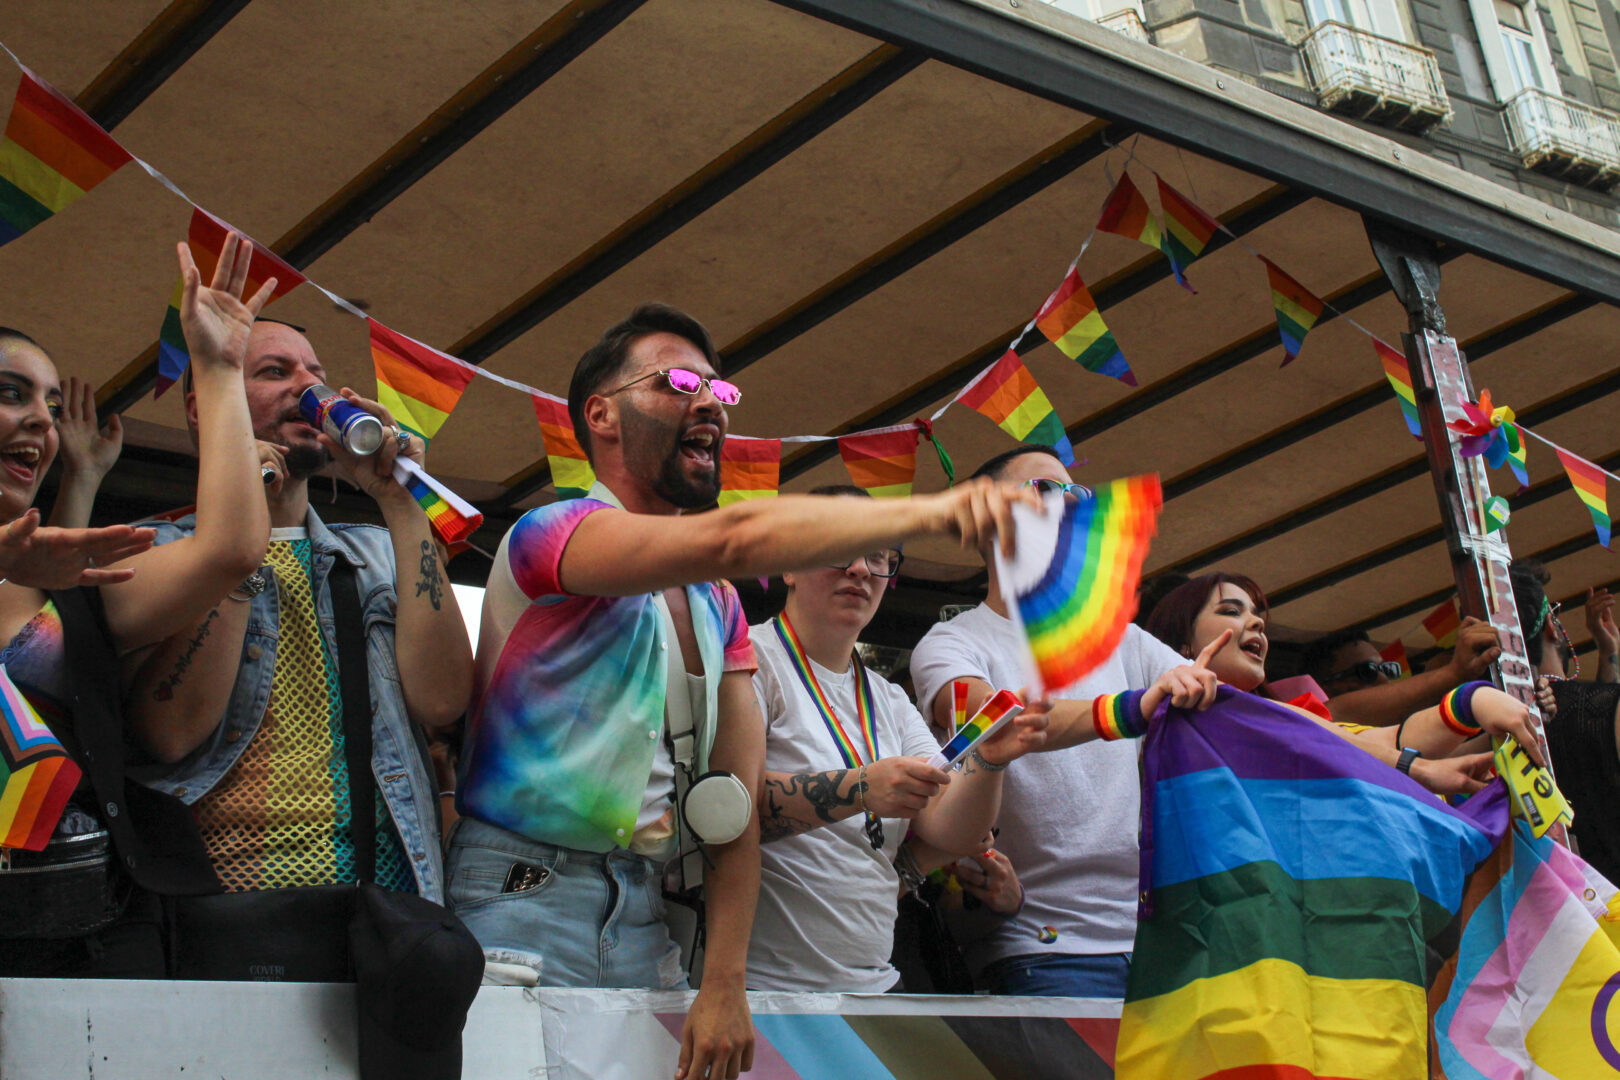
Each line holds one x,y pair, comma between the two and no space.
401,775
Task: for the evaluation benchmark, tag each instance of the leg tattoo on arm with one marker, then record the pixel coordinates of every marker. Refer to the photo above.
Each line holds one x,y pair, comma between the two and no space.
432,582
820,790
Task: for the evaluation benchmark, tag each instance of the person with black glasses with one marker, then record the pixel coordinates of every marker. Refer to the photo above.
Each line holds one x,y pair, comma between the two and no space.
1367,690
846,766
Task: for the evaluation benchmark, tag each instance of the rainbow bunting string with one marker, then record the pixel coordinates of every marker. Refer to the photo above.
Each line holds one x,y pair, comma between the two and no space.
883,463
38,776
571,472
1070,320
1400,380
1298,309
1126,214
51,155
1008,394
417,384
749,468
1590,485
1075,612
453,518
998,707
1187,231
1443,623
206,238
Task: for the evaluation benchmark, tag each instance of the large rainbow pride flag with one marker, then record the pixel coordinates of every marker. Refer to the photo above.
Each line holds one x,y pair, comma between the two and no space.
36,774
51,155
1290,883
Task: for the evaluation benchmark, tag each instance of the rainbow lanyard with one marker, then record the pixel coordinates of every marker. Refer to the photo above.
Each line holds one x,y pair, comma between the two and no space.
863,708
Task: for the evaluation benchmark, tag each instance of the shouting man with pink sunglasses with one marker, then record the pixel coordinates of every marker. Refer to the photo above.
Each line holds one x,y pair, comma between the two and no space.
615,747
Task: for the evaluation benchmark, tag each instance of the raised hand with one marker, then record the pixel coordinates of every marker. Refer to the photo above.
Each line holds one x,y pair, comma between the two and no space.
1023,734
902,786
1600,621
87,450
1477,648
1454,775
980,509
1546,700
215,319
51,558
1190,686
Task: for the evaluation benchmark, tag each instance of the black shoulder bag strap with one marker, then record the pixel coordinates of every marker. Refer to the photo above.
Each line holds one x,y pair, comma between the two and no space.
355,676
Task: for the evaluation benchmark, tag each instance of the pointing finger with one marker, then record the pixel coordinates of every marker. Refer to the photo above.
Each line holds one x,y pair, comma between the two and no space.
1212,648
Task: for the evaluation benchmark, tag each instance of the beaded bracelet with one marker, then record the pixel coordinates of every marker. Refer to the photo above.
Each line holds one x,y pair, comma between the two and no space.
1119,716
1457,709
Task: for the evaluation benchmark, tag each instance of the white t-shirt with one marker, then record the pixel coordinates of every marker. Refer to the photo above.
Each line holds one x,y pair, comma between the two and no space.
827,901
1069,818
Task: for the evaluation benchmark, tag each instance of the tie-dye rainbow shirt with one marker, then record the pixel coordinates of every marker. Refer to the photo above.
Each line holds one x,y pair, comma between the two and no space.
571,709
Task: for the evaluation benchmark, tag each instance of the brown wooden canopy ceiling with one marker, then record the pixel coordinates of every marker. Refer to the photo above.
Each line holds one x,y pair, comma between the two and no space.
863,221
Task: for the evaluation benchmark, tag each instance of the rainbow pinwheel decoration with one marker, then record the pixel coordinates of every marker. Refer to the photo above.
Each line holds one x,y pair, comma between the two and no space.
1490,430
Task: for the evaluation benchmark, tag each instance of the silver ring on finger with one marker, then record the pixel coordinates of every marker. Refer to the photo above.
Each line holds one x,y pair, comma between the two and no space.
403,439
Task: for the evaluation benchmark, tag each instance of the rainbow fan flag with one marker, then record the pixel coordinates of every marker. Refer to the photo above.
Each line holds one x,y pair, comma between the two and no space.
453,518
749,468
882,462
51,155
1070,320
1187,231
571,472
1298,309
1126,214
997,709
1274,940
1400,380
1007,393
1396,651
1443,623
36,774
1071,583
419,385
207,239
1590,484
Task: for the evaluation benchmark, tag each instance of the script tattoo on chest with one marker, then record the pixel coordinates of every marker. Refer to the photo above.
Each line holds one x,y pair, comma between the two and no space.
432,582
820,790
164,690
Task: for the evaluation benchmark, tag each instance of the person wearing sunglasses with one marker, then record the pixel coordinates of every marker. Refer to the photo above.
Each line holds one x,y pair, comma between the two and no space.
614,676
1365,689
846,773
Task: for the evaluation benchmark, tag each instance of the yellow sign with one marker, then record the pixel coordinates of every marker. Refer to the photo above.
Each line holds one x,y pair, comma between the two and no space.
1535,797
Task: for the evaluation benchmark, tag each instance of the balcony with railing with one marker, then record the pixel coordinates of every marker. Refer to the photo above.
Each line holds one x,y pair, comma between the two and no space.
1567,138
1126,21
1375,78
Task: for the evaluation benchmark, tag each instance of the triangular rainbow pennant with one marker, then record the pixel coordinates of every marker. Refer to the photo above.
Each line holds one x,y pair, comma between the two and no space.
1396,651
1071,585
1187,231
1126,214
882,462
571,472
51,155
38,776
1443,623
1008,394
1400,380
1297,309
1590,484
749,468
207,238
1070,320
418,384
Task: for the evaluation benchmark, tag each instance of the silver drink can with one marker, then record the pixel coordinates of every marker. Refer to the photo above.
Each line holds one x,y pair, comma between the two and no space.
356,430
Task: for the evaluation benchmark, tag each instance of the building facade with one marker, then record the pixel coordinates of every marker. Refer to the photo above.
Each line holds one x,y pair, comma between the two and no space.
1525,94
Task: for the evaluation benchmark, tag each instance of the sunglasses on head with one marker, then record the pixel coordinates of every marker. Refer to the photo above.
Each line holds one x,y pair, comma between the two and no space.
1071,492
686,381
1367,671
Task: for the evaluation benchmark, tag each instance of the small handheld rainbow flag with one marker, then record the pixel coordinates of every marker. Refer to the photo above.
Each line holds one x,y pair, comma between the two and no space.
959,699
571,472
38,776
418,384
1590,485
997,709
1070,320
882,462
51,155
1297,309
453,518
1396,651
749,468
1007,393
1443,623
1126,214
1187,231
207,238
1400,380
1071,582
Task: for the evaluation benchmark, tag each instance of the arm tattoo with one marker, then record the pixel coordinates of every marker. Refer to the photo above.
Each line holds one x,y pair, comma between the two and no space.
165,688
432,583
820,790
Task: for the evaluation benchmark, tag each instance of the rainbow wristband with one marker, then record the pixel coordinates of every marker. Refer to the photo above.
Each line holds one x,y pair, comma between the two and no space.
1119,716
1457,709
